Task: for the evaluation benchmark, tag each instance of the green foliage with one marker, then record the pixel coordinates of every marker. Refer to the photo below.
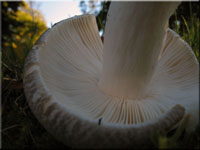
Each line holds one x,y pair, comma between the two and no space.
192,35
101,17
186,23
21,28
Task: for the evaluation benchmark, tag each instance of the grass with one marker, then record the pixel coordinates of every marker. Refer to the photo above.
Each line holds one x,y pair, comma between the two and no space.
20,128
190,32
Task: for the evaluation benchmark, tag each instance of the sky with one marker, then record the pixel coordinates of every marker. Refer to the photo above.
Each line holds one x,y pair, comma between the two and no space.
55,11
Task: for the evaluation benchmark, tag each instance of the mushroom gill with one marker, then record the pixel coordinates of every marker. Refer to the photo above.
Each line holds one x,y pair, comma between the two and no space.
66,91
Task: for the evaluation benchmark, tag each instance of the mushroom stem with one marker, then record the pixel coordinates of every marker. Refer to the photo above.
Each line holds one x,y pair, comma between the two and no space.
134,37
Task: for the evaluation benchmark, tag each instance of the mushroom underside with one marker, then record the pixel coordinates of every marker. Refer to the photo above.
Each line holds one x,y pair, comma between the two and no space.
61,79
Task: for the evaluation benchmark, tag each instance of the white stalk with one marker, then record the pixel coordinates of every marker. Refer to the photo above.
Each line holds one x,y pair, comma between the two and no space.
134,37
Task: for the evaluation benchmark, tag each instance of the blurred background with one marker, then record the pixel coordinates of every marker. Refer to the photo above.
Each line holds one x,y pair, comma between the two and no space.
22,24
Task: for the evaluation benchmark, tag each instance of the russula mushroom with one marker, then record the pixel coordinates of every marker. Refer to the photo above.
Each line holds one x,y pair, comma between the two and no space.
143,78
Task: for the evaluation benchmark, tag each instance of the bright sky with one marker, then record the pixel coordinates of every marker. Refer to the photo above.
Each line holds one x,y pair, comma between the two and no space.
55,11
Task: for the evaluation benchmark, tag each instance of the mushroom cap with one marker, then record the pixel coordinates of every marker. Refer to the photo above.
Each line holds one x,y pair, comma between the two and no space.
61,75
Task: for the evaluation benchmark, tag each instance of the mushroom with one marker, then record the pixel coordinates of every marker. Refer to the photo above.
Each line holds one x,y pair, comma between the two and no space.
143,78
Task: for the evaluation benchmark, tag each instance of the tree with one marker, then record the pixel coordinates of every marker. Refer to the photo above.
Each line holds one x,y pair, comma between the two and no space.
99,9
21,27
101,17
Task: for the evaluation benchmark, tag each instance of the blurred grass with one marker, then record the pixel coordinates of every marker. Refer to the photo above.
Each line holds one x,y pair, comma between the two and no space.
190,32
20,128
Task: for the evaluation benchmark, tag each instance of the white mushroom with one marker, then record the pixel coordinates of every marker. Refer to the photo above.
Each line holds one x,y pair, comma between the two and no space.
144,78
